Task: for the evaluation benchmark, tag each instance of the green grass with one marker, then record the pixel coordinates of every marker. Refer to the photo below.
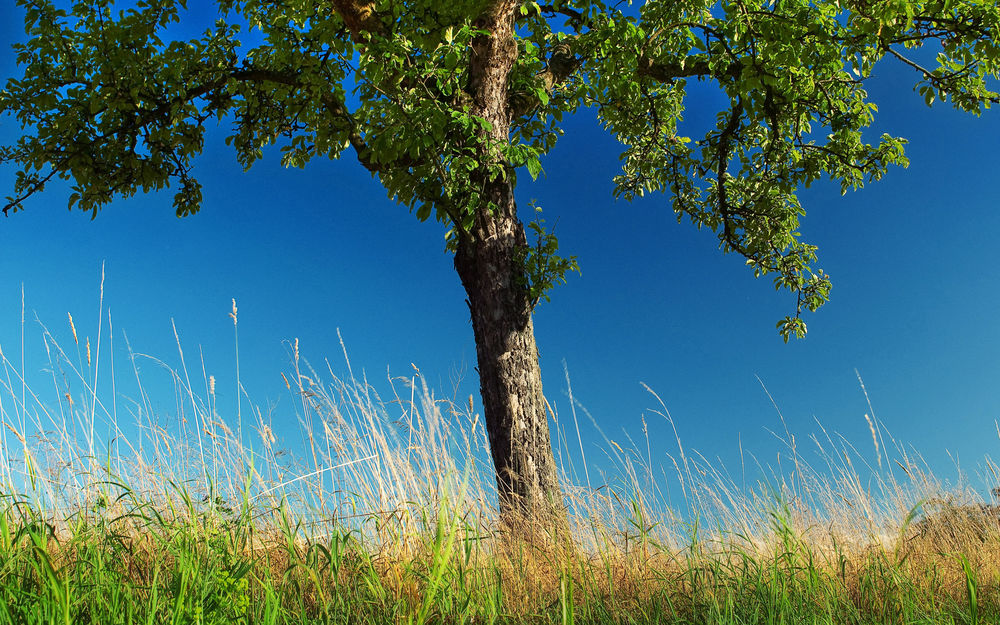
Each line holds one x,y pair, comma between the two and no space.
113,513
136,565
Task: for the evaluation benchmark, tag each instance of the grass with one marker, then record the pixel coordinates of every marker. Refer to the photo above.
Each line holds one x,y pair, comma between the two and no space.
113,513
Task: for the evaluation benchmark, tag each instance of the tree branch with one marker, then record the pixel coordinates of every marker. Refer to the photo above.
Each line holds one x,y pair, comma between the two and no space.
941,82
724,142
560,66
669,72
359,16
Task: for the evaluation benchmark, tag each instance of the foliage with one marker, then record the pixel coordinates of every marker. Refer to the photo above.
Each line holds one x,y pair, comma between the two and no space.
118,101
543,267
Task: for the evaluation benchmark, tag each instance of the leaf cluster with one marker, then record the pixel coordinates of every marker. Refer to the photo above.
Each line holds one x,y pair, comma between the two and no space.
543,267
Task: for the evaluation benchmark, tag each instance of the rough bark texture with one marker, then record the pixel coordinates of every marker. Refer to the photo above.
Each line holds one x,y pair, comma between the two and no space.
487,262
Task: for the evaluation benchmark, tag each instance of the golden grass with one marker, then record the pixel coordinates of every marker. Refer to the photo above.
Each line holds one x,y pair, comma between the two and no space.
391,501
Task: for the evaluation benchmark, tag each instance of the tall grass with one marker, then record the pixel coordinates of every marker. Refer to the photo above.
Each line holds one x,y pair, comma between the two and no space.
112,511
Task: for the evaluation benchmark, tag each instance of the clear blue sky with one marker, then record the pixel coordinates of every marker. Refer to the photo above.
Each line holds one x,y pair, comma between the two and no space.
913,260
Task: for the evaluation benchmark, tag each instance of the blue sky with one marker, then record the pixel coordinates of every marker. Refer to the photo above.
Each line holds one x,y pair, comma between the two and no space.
304,252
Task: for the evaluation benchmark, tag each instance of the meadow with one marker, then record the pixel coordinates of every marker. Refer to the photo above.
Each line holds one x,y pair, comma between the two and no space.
113,512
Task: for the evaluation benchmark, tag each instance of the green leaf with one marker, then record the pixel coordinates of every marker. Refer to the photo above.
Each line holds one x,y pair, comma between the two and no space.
534,167
423,212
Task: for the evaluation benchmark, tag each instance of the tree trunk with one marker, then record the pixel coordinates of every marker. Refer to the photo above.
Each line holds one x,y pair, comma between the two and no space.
509,374
488,262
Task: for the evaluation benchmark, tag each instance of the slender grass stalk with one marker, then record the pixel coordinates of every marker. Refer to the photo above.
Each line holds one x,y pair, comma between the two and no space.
97,364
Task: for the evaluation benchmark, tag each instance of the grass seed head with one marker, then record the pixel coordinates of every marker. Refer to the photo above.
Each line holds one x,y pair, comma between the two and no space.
73,328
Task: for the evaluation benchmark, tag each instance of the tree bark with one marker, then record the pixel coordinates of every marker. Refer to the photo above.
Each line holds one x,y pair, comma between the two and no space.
488,262
509,373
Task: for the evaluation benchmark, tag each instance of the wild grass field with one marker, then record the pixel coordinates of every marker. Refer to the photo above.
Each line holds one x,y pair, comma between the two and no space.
113,512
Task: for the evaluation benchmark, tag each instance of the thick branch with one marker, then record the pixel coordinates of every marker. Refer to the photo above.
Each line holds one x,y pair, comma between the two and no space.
359,16
561,65
669,72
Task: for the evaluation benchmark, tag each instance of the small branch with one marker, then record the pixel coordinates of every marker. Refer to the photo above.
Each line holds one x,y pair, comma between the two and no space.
938,81
724,141
927,74
576,18
35,188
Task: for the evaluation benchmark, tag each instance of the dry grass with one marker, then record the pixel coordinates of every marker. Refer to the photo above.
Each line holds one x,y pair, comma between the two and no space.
387,514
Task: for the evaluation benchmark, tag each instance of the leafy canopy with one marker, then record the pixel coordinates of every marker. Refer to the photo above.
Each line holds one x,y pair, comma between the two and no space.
109,100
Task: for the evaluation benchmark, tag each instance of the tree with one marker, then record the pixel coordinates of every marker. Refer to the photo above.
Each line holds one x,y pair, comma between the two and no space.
447,103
